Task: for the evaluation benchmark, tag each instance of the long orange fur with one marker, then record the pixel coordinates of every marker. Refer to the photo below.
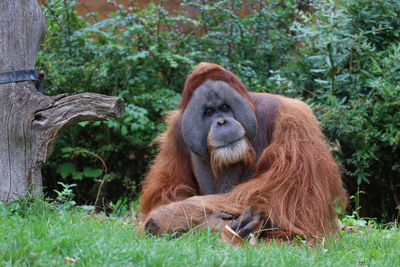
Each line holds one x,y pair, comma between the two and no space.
296,182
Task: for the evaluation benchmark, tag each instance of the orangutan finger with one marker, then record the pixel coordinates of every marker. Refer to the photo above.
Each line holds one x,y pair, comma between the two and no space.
152,227
225,216
243,220
251,226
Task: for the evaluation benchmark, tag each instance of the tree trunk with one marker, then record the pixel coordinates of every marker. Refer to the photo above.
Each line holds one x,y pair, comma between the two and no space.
31,123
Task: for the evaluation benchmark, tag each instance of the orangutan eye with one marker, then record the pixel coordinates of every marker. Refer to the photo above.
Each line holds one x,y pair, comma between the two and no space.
224,108
209,111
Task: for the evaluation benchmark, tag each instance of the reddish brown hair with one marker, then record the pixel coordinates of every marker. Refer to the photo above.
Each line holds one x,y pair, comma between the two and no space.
170,177
212,71
296,182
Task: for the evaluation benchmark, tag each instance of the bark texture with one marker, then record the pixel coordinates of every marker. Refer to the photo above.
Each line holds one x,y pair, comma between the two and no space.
31,123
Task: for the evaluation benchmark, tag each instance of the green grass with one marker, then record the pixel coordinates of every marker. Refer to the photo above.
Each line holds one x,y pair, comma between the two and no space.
37,234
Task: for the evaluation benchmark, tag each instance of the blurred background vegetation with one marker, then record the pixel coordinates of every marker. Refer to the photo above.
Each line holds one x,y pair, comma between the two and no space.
341,56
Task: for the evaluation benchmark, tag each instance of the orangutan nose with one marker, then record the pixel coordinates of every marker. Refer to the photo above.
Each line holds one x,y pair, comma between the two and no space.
221,122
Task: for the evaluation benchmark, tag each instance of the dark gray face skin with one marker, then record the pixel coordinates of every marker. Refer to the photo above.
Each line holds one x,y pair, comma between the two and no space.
216,107
220,112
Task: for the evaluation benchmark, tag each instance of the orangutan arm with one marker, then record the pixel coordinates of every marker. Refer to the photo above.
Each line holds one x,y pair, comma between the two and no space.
170,177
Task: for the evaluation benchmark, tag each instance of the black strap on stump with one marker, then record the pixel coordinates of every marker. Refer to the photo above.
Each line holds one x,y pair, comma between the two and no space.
23,75
18,76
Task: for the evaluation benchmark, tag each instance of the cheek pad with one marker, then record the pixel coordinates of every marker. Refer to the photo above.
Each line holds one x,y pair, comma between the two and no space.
242,111
193,129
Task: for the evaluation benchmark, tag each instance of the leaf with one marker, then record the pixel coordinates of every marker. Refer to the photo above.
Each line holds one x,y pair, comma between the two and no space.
253,240
83,123
78,175
15,206
124,130
231,237
66,169
4,209
318,70
68,149
92,173
321,81
87,207
139,55
328,61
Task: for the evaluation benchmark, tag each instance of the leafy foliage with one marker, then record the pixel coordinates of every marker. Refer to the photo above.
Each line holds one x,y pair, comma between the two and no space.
348,68
342,58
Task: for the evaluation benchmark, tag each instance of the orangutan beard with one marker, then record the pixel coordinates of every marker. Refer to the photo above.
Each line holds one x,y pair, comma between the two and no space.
240,151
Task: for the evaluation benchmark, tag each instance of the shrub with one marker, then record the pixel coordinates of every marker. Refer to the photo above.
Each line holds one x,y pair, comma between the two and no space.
348,68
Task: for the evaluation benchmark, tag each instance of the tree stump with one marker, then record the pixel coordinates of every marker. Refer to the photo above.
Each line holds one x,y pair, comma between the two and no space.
31,123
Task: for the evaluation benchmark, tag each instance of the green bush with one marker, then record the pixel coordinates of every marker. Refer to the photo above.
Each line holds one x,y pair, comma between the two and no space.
346,66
